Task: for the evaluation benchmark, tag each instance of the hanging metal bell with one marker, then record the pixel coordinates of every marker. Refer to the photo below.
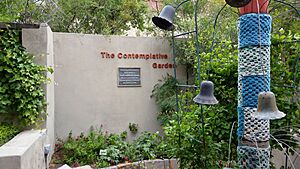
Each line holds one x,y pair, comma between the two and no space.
267,108
206,95
237,3
165,18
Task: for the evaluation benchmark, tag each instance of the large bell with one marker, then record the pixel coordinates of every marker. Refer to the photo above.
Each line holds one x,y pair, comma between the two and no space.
165,18
237,3
267,108
206,95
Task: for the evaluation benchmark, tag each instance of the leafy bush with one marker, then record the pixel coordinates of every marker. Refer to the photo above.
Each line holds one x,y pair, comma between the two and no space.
150,146
285,78
164,94
133,127
7,132
85,150
190,148
183,130
21,92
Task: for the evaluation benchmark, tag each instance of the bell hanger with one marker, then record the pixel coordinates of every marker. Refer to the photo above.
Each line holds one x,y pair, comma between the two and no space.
267,108
206,95
237,3
165,18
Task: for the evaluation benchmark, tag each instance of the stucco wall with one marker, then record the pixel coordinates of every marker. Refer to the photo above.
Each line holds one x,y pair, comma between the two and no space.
24,151
86,91
39,42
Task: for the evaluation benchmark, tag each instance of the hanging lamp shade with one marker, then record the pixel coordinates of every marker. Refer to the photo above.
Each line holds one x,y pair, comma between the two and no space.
267,108
252,7
206,95
237,3
165,18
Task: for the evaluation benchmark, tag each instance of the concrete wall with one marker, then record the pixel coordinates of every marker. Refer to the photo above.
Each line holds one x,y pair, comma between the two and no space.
87,93
39,42
25,151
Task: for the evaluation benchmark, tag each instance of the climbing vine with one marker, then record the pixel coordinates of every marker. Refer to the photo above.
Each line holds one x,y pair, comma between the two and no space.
21,80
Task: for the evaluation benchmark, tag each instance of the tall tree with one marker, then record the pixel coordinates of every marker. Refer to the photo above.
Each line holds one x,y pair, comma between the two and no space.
82,16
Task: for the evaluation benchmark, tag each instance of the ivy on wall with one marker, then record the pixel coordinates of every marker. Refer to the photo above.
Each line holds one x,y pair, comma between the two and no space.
21,80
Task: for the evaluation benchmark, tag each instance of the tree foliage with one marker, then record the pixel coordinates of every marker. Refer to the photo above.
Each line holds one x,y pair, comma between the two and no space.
82,16
97,16
284,16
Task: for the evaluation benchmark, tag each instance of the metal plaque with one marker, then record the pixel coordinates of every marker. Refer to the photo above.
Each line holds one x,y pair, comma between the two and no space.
129,77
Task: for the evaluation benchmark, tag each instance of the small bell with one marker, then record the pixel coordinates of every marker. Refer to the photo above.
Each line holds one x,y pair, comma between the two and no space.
267,108
237,3
165,18
206,95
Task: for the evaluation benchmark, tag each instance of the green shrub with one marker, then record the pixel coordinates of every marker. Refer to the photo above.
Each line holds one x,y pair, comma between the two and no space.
164,95
7,132
21,92
285,84
85,150
133,127
183,129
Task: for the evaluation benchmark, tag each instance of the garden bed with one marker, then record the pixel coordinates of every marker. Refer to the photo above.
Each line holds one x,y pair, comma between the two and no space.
146,164
99,150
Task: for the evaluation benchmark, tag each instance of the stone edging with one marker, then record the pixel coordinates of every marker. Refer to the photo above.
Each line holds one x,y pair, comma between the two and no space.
148,164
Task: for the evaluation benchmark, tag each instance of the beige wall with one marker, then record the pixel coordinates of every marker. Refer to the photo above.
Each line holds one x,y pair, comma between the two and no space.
24,151
39,42
86,91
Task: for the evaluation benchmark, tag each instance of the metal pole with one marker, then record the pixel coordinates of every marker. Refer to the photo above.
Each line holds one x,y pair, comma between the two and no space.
174,69
197,43
175,76
181,3
199,76
176,92
285,3
186,86
185,33
286,158
202,121
213,40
